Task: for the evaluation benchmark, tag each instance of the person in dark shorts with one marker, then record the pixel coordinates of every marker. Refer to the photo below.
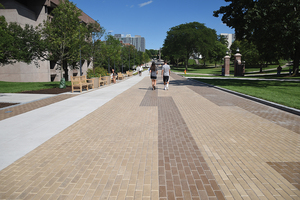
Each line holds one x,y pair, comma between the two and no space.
153,75
165,72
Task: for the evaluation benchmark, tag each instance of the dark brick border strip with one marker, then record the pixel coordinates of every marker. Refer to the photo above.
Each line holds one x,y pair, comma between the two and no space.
150,98
183,172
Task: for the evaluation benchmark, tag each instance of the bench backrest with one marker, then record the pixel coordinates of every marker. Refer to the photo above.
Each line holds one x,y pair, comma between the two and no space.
83,79
76,80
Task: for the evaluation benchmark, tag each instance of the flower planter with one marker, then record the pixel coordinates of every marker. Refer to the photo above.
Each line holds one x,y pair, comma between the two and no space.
108,79
95,81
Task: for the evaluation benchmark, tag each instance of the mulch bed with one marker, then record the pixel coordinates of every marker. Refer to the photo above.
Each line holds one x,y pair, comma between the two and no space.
50,91
3,105
43,91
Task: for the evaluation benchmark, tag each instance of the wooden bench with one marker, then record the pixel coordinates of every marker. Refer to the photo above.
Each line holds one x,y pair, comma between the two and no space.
102,81
121,76
80,82
129,73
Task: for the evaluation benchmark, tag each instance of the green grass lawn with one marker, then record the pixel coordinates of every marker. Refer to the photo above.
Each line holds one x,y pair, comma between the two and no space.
199,69
271,76
284,93
211,69
14,87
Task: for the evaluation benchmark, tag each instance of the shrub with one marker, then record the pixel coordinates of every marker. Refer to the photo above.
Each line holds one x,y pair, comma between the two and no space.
96,72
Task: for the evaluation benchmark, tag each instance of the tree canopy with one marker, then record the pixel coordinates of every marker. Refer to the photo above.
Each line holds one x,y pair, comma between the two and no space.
184,40
17,43
62,35
272,25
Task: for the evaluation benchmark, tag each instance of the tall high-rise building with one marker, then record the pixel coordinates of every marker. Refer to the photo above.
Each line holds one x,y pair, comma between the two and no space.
137,41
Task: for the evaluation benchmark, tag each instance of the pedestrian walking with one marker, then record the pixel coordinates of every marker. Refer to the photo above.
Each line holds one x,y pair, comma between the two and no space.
113,76
165,72
279,68
141,70
153,75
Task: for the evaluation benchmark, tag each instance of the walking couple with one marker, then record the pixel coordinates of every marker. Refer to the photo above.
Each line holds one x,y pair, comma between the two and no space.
165,72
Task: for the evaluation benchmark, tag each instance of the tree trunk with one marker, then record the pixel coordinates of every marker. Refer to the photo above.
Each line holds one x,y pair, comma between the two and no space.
186,63
296,62
260,70
65,68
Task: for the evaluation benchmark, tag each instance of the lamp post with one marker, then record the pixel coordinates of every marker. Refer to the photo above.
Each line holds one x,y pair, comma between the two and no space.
108,66
129,57
80,67
122,63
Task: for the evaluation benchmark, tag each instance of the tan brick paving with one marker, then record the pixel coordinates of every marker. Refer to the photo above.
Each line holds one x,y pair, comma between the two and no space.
237,145
19,109
114,152
282,118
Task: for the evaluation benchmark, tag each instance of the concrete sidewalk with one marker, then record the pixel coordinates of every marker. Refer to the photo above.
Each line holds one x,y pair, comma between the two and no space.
126,141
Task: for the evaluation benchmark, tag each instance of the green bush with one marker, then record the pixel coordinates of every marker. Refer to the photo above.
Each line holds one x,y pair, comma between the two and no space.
96,72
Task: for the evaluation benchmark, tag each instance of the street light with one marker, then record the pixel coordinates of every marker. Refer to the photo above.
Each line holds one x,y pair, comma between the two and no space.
80,67
122,62
129,57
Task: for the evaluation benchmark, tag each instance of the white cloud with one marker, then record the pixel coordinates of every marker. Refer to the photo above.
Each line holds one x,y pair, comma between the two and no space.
146,3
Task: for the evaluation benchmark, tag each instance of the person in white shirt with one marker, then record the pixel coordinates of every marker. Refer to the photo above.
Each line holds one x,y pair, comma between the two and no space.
165,72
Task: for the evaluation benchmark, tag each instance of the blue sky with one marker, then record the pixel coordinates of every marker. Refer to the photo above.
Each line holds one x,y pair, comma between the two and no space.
152,18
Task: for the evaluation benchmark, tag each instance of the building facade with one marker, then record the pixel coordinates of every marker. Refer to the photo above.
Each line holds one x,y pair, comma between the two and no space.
137,41
33,12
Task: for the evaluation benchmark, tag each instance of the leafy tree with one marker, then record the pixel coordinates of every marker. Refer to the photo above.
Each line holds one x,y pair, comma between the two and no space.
99,55
91,46
222,39
7,51
186,39
128,55
19,44
146,57
272,25
152,53
62,35
112,51
218,52
148,52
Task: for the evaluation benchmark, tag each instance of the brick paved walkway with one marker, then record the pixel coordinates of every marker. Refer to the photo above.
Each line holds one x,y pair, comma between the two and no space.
190,142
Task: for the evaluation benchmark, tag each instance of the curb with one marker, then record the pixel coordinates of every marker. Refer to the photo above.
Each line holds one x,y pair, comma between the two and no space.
262,101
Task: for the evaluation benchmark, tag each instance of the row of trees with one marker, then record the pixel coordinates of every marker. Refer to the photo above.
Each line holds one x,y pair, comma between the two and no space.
271,28
112,54
65,40
152,53
192,40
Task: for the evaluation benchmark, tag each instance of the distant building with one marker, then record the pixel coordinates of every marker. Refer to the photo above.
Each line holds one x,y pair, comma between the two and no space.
33,12
230,38
137,41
